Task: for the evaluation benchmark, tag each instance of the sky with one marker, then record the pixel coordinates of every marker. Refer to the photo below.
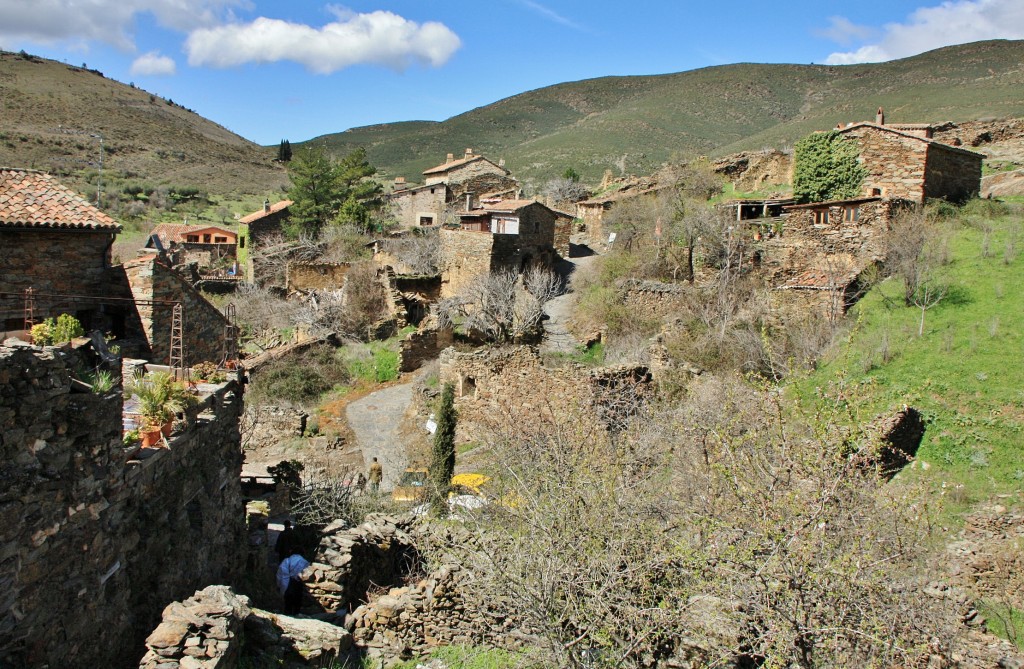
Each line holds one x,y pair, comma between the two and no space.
296,69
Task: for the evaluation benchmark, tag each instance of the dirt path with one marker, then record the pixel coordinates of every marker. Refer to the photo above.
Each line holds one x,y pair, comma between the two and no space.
557,338
375,420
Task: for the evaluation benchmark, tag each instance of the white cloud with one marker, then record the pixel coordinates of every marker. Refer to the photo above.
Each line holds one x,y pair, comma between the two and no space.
153,64
952,22
844,31
379,37
552,15
110,21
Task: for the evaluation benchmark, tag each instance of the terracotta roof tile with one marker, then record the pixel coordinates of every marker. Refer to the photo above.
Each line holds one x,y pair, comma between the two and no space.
274,208
30,199
459,162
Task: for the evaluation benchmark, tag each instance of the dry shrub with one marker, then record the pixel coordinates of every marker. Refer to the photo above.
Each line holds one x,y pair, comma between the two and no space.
730,530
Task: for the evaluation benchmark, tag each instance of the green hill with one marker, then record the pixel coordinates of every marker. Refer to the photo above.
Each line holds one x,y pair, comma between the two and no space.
50,110
633,124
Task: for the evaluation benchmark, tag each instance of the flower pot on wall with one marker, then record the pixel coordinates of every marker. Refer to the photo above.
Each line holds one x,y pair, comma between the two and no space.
151,436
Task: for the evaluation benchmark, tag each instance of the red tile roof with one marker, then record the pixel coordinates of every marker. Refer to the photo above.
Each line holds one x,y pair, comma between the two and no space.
30,199
178,232
274,208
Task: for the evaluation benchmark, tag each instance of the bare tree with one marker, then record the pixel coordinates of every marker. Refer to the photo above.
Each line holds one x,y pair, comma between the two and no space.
565,192
727,531
503,306
418,253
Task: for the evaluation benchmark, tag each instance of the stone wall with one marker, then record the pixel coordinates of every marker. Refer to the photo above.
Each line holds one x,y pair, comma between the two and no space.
470,171
422,346
218,629
307,276
952,174
909,168
464,257
52,262
96,538
895,163
651,300
511,384
839,245
409,205
203,331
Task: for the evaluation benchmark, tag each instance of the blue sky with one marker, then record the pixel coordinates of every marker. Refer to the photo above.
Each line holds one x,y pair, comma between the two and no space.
295,69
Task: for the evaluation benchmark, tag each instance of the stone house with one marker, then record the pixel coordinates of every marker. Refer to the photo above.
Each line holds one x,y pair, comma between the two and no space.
59,245
513,234
824,248
203,245
594,212
447,185
256,227
53,241
904,162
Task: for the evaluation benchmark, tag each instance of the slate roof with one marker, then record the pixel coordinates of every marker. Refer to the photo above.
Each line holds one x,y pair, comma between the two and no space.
895,129
31,199
274,208
459,163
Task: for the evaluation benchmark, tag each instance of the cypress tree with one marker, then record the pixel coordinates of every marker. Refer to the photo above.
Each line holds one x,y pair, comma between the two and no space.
442,465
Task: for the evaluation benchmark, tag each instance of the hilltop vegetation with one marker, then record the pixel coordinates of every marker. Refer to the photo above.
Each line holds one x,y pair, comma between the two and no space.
54,114
633,124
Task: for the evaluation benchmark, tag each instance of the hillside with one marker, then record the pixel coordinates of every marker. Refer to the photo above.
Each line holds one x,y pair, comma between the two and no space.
633,124
50,110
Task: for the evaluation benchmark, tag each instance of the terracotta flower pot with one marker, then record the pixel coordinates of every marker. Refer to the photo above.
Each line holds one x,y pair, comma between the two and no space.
150,436
166,428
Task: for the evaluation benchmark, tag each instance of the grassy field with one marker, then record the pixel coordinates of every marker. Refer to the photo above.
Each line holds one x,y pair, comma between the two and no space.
964,373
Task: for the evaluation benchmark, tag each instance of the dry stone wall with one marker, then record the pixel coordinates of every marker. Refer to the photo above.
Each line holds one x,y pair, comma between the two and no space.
952,174
218,629
307,276
494,385
156,287
651,300
97,540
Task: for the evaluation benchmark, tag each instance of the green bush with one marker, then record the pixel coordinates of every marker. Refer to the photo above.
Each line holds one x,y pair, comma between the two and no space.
380,366
51,333
826,168
298,380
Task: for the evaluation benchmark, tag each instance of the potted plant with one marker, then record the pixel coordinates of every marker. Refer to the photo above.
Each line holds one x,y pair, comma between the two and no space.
160,398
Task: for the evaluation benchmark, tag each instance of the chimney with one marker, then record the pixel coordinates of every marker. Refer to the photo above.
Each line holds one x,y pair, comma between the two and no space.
880,117
501,162
839,126
266,206
399,181
450,158
469,153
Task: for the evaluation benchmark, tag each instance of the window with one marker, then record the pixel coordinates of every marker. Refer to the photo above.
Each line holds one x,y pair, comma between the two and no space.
241,242
426,220
206,239
876,191
821,216
220,240
468,387
851,214
194,239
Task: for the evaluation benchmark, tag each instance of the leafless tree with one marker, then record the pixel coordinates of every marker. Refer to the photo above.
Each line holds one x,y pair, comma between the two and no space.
729,530
349,311
418,253
271,256
565,192
503,306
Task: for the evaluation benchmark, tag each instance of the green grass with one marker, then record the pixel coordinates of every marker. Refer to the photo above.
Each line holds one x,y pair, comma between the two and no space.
376,362
1004,621
463,657
964,373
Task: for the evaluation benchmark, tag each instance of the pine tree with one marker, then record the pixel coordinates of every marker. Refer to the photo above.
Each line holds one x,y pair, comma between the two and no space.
284,151
442,465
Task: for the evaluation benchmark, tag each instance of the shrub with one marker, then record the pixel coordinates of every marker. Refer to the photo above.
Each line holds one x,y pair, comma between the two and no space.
298,380
826,168
50,333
